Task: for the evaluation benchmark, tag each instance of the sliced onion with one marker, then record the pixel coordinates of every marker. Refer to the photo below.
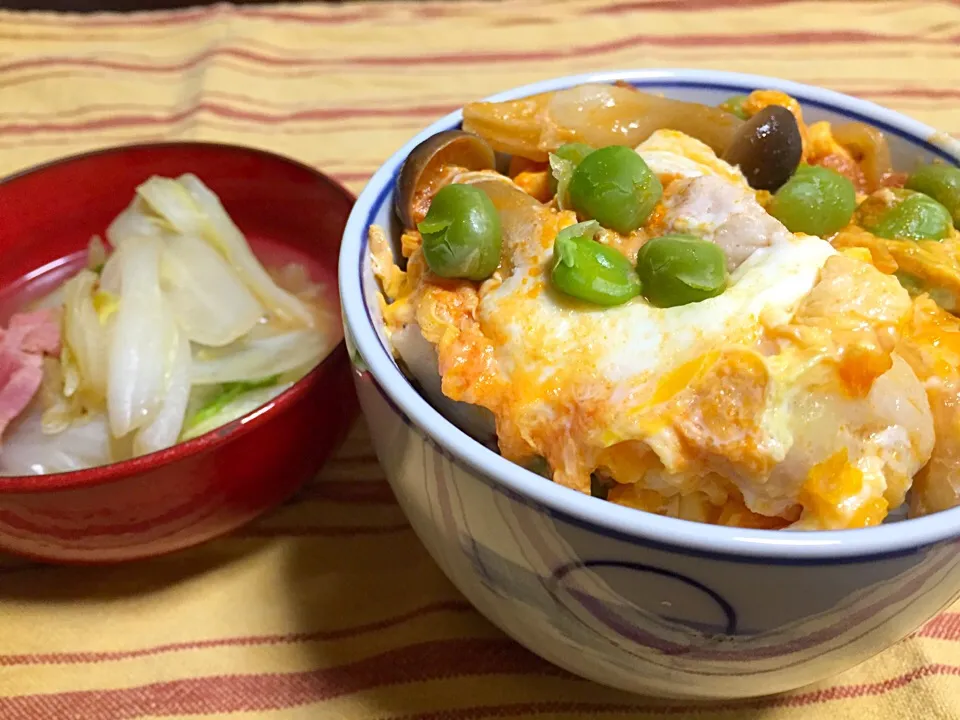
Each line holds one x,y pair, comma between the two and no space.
210,303
84,333
96,253
869,148
141,346
110,275
170,201
163,431
28,450
59,410
227,238
136,220
255,359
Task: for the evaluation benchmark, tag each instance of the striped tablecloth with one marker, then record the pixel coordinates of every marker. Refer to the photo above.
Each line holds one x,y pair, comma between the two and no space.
329,607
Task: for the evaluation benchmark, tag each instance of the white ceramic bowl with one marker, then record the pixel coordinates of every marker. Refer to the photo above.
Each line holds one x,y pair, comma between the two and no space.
629,599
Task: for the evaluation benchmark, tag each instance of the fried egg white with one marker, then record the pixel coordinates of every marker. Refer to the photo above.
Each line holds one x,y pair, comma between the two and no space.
637,339
672,155
780,401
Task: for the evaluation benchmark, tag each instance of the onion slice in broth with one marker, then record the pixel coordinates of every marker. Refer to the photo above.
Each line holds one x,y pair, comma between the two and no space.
254,359
221,231
211,305
169,202
142,343
29,450
86,334
164,429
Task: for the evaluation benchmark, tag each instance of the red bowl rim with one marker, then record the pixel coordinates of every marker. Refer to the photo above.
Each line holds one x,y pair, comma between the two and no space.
105,474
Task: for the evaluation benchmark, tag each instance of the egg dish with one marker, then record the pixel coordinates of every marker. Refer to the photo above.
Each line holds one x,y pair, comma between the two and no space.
720,314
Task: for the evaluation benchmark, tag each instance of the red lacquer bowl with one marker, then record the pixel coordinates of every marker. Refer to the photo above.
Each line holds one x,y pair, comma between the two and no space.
213,484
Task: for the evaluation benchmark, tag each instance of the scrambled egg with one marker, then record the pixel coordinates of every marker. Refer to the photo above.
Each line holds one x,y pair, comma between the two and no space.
783,402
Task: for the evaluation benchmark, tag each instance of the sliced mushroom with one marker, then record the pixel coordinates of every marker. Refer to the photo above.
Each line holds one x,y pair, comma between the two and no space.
768,148
428,163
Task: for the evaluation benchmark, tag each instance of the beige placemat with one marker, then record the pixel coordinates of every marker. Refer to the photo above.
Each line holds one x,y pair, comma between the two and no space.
329,607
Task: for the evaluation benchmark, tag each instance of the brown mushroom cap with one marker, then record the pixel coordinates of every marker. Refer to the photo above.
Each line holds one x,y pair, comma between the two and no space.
767,148
426,163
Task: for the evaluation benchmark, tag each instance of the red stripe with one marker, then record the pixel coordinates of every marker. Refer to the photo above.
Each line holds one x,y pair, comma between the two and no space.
57,75
195,15
238,102
640,40
436,660
352,176
218,103
945,626
269,531
908,92
520,21
254,136
686,6
360,492
794,700
75,144
137,66
271,691
117,119
367,13
294,67
75,36
75,658
224,111
140,20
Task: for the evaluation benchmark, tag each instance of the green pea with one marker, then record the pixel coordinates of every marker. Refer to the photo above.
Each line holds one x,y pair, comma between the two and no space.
915,286
461,234
942,183
681,269
614,186
815,201
562,164
734,105
899,214
587,270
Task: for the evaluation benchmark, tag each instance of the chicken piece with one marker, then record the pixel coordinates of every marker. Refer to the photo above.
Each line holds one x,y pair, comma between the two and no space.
726,214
